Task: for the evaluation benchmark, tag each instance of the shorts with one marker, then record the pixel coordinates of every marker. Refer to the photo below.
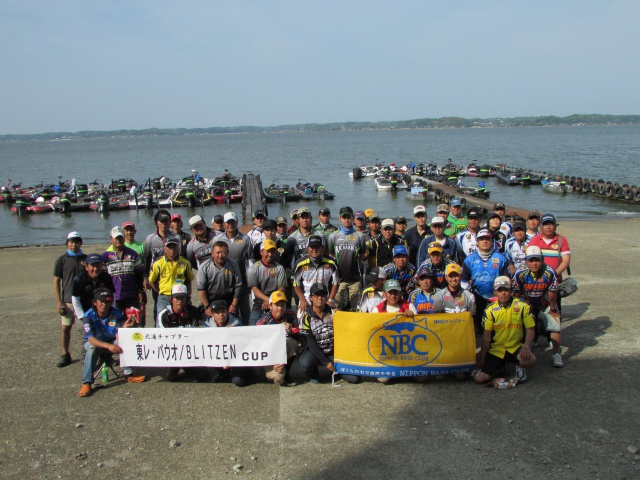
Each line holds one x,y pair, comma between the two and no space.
493,363
69,318
550,324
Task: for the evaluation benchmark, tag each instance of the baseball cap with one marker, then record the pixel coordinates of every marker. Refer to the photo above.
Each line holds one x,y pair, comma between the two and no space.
163,216
293,213
315,241
318,288
93,258
452,268
456,202
268,223
519,225
434,247
494,215
324,211
498,206
230,216
533,252
376,273
425,271
392,284
73,235
502,281
268,244
443,207
176,216
302,210
179,289
548,218
473,212
217,219
360,214
373,217
277,296
419,209
388,222
103,294
484,233
534,215
128,225
195,219
436,220
400,219
280,220
346,211
218,304
172,239
117,232
400,250
259,213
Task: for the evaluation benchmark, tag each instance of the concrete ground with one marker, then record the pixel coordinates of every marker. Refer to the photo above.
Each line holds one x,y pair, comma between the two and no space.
581,421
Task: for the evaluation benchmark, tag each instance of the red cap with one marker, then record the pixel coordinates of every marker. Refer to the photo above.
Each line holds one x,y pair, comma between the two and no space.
176,216
129,224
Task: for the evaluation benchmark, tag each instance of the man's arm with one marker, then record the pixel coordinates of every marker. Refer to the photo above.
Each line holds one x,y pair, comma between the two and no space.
57,291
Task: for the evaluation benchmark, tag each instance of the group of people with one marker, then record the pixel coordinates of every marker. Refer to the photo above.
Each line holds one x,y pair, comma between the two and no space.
506,274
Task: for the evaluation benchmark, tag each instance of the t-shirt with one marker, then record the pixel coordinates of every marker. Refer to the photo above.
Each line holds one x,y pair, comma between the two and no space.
67,267
552,250
508,325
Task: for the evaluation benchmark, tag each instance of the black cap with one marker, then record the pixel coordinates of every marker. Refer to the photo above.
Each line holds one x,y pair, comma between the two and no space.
218,219
346,211
400,219
103,294
498,205
169,239
315,241
473,212
218,304
270,224
519,225
494,215
93,258
324,211
534,215
318,288
259,213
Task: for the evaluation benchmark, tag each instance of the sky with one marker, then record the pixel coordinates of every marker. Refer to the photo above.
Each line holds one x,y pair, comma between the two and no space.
68,66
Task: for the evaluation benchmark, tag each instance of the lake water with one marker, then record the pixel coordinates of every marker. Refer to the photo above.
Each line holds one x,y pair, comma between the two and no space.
610,153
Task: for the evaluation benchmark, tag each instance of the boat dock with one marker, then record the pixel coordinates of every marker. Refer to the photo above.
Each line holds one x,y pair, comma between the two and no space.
253,197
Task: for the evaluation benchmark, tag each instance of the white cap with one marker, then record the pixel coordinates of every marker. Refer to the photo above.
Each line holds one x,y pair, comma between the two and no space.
117,232
419,209
437,220
195,219
179,289
73,235
533,252
230,216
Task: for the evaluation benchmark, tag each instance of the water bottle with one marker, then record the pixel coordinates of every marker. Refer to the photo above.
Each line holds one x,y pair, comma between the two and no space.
105,373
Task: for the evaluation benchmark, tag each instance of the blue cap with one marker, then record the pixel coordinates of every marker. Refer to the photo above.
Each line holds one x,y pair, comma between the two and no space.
425,271
400,250
456,202
93,258
548,218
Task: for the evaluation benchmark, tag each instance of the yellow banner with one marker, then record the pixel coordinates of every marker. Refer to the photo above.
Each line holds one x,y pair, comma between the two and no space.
392,345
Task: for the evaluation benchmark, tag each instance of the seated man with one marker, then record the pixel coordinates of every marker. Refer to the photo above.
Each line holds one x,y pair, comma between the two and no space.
179,314
221,318
393,301
101,324
278,314
401,270
504,320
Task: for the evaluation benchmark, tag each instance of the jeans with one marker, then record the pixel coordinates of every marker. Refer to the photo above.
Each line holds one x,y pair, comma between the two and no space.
309,365
92,360
163,302
256,313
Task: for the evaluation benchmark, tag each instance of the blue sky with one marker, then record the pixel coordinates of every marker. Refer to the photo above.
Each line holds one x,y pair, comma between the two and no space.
106,65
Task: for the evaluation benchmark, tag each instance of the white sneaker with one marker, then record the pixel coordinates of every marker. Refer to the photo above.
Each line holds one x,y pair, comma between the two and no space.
557,360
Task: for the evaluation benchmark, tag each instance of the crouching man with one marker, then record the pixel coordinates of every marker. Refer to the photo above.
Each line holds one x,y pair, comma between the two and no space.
278,314
504,320
101,324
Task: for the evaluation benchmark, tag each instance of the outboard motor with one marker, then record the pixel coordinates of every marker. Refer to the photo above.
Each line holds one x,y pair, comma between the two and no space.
227,196
148,198
103,203
394,184
21,207
122,186
190,197
65,205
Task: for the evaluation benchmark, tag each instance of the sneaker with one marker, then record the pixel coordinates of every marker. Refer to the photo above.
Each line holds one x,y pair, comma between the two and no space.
315,381
135,378
64,360
557,360
85,390
521,374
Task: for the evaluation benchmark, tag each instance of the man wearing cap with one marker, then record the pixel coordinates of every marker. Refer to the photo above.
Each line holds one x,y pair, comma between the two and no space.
101,324
494,225
315,267
219,317
360,223
167,271
537,284
199,248
281,228
414,235
555,248
400,269
324,228
453,299
533,225
298,240
219,279
316,325
263,278
85,283
127,272
421,300
456,219
294,221
479,270
393,301
348,249
129,229
276,315
443,211
381,251
515,247
436,263
65,269
154,249
505,322
185,238
241,252
466,240
180,314
374,293
400,225
217,224
255,234
505,227
449,250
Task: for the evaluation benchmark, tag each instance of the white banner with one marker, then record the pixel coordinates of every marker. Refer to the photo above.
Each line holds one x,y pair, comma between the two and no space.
203,347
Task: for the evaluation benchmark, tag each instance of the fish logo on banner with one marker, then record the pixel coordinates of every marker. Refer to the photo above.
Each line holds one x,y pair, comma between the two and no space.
404,342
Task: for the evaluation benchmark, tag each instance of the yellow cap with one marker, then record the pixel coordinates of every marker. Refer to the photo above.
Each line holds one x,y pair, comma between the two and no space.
277,296
268,244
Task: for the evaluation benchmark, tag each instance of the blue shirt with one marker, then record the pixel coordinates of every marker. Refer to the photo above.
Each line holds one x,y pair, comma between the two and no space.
103,329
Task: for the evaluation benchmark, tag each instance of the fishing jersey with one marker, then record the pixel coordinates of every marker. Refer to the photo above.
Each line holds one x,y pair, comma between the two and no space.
318,327
533,288
454,302
455,225
126,270
240,251
154,249
136,246
185,238
324,230
346,249
199,251
166,273
466,244
191,317
308,271
404,277
499,240
255,235
438,271
478,274
370,300
449,250
552,250
508,325
382,250
298,242
515,252
267,278
103,329
422,302
220,283
289,316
